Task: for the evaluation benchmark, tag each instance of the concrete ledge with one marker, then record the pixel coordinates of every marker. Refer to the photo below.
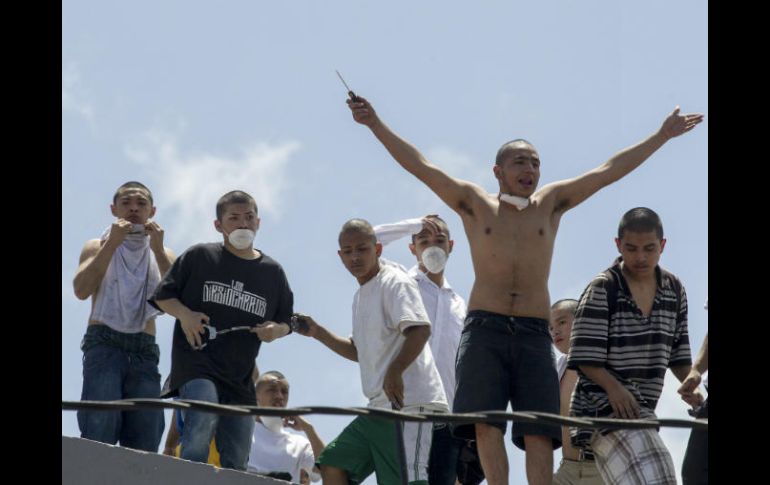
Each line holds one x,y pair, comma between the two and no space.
86,462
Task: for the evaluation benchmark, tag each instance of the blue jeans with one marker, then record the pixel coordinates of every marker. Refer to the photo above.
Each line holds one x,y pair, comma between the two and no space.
233,433
117,366
444,451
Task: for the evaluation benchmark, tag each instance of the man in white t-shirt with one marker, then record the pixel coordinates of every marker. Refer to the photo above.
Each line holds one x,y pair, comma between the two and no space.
390,330
431,244
276,451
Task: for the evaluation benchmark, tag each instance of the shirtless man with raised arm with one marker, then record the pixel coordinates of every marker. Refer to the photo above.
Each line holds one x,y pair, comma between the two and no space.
505,351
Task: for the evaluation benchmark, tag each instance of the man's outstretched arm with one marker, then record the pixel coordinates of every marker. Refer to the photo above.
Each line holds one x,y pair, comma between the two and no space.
457,194
570,193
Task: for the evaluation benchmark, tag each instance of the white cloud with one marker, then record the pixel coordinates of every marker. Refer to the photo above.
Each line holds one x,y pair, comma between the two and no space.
72,95
192,182
461,166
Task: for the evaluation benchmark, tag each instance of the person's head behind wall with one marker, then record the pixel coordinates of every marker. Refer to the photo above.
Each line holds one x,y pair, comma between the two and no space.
560,324
425,239
237,219
359,250
517,168
272,389
133,202
640,241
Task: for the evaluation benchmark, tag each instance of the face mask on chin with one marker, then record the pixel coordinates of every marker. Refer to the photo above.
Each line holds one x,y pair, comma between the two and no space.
273,423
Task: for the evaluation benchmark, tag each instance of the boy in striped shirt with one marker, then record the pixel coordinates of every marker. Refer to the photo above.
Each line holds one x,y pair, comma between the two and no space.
630,326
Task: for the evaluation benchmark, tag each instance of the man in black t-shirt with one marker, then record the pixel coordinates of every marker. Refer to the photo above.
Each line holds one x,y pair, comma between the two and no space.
227,298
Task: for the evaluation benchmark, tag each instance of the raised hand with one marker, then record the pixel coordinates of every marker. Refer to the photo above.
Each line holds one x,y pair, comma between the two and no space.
676,124
363,112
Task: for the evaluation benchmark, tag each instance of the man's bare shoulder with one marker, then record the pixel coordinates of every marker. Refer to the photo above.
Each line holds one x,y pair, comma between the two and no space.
474,199
90,248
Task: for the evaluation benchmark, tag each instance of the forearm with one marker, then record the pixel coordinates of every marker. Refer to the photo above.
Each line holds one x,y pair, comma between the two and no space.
173,307
90,273
630,158
164,261
701,363
341,346
416,338
387,233
681,372
402,151
315,441
600,376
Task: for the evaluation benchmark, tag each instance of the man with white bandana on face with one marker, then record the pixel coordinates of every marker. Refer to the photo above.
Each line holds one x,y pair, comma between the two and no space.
431,245
120,356
227,298
505,353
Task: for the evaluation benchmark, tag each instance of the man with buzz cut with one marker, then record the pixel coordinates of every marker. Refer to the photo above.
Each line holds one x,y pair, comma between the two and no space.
390,332
630,326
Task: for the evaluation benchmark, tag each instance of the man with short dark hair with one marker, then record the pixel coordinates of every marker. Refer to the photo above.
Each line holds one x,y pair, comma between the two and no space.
227,298
120,356
630,326
504,355
390,330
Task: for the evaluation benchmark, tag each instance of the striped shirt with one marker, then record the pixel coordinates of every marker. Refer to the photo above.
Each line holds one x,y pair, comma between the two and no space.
636,350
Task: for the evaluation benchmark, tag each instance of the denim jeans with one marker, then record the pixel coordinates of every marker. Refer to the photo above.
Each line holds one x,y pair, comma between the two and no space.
444,451
233,433
117,366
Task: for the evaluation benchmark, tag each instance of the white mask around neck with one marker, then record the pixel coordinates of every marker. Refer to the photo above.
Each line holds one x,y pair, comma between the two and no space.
516,201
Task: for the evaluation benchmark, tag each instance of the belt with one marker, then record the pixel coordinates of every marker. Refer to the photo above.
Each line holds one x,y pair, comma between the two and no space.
582,456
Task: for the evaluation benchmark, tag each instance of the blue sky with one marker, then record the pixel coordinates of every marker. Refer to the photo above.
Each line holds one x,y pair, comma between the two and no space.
195,99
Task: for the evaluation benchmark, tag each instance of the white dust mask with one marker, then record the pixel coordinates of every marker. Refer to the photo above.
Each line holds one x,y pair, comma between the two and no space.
434,259
241,238
516,201
273,423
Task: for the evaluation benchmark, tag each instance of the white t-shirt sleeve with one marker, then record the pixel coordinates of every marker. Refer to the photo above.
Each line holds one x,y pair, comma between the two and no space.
387,233
404,307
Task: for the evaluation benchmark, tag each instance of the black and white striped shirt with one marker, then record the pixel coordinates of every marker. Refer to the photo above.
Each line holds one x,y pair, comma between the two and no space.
636,350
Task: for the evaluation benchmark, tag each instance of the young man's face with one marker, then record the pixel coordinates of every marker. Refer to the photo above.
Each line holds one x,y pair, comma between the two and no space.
560,328
519,171
237,216
359,255
273,392
425,239
641,252
133,205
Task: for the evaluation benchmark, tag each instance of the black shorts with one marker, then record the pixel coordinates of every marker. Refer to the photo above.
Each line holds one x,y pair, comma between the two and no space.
502,359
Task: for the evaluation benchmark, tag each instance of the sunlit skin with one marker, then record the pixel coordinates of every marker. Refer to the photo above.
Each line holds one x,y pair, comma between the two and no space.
519,171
